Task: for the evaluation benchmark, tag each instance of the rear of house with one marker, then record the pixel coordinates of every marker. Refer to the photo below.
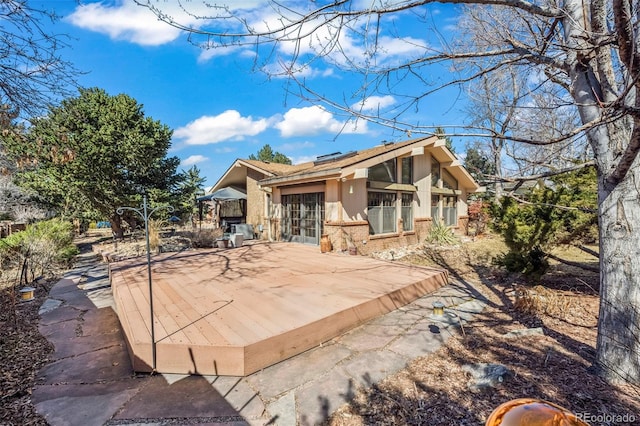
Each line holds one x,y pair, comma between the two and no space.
375,199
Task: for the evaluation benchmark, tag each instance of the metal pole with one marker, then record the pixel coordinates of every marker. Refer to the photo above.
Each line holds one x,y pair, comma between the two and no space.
146,233
145,216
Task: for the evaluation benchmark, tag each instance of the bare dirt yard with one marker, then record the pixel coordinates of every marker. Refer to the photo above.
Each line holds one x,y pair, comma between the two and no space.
433,390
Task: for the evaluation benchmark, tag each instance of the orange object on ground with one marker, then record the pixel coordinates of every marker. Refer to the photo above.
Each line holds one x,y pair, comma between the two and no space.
532,412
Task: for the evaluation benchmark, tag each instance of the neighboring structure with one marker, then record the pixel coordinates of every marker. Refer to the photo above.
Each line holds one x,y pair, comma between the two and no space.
374,199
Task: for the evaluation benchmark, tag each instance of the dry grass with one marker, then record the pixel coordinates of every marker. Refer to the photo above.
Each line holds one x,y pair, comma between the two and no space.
540,300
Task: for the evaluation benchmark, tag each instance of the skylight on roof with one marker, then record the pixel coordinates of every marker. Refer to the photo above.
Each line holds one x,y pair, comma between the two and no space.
332,157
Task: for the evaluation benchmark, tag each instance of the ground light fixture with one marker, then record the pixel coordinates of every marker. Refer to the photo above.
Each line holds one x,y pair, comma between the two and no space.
145,214
27,294
438,308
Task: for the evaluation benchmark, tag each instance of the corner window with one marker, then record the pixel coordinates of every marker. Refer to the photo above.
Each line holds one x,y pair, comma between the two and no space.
448,181
384,172
381,212
435,172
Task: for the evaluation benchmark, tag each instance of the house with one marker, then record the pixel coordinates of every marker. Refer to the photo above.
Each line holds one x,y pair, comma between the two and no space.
379,198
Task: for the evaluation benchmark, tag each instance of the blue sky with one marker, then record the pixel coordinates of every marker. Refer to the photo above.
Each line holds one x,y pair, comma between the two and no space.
218,106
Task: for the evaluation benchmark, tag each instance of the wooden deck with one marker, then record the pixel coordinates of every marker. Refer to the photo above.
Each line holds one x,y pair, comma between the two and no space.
236,311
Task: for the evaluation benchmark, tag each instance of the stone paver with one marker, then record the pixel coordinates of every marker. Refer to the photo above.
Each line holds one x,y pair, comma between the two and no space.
282,377
90,381
371,367
318,399
282,411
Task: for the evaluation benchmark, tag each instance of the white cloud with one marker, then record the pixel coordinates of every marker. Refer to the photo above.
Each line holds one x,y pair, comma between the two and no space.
229,125
295,146
193,159
215,51
314,120
374,103
125,21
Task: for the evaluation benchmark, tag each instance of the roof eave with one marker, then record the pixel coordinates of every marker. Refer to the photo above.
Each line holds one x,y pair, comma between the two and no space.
301,178
237,163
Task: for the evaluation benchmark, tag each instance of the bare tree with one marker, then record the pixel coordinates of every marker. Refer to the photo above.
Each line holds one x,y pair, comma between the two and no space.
494,100
587,48
32,72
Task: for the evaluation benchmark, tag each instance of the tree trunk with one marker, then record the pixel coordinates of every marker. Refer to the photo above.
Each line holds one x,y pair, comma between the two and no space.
618,343
496,148
116,226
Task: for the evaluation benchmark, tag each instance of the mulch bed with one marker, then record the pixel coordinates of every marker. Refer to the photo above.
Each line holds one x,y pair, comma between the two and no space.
23,351
553,366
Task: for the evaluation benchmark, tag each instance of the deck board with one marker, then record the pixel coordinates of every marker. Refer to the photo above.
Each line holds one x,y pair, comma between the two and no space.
235,311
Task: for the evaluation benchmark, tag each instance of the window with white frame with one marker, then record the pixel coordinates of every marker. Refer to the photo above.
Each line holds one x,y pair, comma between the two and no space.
450,210
407,211
381,212
435,208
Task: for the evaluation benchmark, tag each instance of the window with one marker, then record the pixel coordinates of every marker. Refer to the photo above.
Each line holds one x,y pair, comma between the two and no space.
407,211
449,210
435,172
407,170
383,172
435,208
448,181
381,212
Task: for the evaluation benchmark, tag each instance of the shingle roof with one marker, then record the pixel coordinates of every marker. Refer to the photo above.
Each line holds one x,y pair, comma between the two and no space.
339,162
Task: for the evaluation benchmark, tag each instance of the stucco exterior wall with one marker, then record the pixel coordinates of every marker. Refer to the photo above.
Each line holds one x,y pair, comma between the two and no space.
255,200
333,205
422,180
354,200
